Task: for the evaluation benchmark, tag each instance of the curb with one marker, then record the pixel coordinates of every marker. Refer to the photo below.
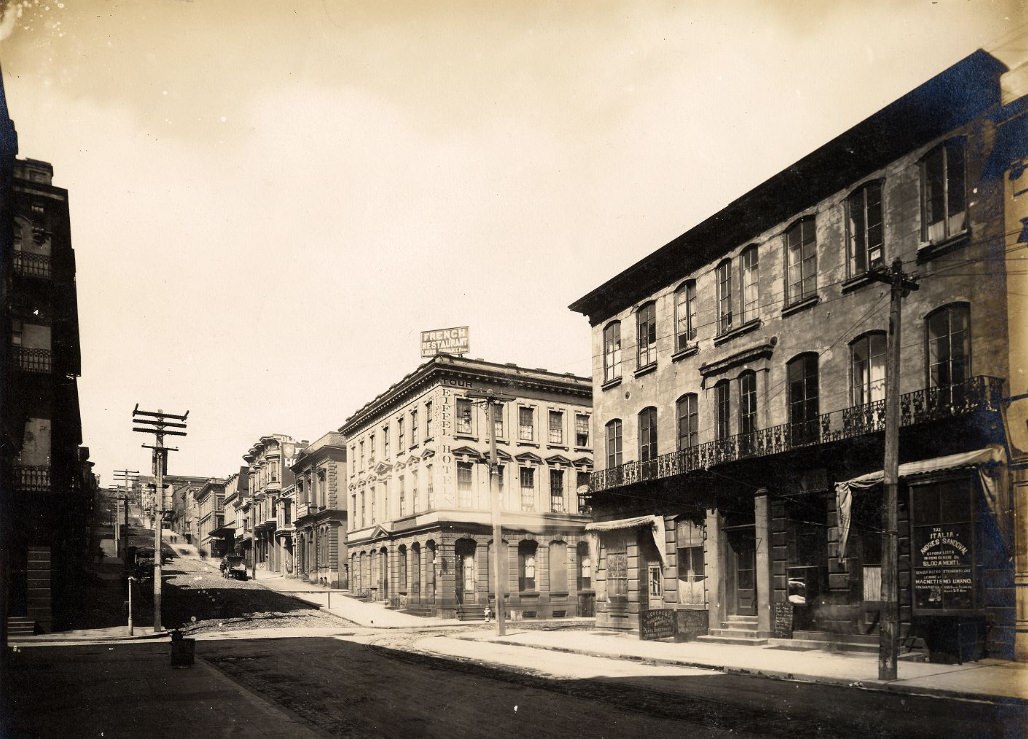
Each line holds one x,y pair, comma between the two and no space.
48,640
878,687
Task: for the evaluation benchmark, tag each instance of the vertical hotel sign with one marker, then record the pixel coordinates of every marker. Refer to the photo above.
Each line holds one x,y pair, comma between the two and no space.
445,341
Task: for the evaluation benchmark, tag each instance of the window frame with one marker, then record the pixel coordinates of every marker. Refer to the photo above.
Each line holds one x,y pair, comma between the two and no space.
748,406
615,443
557,492
527,492
722,410
801,286
685,315
646,334
948,310
860,235
723,282
612,357
749,284
948,231
690,403
555,434
582,438
804,423
647,425
861,392
522,437
464,417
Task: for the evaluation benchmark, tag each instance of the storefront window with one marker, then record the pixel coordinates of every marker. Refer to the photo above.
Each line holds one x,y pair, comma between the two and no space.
942,533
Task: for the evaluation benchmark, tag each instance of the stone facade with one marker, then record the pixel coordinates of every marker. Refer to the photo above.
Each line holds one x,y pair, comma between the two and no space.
739,377
269,474
320,472
420,521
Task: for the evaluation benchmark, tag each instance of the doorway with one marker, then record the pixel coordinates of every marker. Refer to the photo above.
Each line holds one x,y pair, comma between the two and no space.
464,580
741,570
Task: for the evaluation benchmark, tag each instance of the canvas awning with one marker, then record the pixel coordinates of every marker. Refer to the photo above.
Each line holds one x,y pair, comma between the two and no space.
655,523
994,484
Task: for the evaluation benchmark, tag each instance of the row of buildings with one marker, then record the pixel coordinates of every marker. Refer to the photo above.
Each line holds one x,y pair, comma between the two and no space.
736,408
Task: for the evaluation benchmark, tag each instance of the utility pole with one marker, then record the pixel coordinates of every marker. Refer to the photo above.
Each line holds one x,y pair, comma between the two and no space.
888,637
124,477
158,423
491,401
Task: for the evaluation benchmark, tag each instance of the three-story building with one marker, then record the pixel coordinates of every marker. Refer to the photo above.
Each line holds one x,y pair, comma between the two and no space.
739,384
420,520
320,472
269,473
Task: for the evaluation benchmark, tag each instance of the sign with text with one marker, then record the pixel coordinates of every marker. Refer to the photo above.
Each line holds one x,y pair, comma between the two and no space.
657,623
943,567
445,341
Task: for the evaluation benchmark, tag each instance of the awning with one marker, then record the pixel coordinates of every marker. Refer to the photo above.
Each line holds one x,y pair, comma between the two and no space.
984,460
656,524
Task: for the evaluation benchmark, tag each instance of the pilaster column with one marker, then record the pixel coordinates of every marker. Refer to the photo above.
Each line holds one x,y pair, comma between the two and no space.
714,563
762,532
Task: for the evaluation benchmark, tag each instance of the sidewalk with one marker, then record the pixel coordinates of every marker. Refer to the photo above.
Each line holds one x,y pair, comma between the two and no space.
342,604
989,679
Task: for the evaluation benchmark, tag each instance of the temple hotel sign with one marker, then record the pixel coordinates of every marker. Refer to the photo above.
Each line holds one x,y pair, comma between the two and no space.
445,341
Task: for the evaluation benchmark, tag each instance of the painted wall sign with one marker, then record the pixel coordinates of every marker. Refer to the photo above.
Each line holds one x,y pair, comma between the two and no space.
454,340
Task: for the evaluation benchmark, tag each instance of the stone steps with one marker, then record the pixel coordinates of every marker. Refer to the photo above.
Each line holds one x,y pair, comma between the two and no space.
20,626
735,630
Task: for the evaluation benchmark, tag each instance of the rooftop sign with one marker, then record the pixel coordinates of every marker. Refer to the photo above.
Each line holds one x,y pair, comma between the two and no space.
445,341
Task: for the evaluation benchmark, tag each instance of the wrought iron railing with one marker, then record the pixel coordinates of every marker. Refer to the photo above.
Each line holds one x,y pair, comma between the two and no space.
32,360
32,478
30,264
928,404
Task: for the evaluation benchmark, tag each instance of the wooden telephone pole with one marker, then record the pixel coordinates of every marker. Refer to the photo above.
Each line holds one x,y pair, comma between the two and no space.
158,423
888,638
124,478
492,401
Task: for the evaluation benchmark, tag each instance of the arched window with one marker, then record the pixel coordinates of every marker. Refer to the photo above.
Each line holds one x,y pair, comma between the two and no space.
723,409
724,296
401,555
803,398
750,285
948,350
526,565
800,261
647,434
943,192
865,234
558,567
612,351
747,402
688,424
685,315
646,334
614,456
867,368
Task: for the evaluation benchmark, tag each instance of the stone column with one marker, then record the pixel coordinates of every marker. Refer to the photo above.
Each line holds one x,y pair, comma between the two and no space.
1020,491
763,535
714,563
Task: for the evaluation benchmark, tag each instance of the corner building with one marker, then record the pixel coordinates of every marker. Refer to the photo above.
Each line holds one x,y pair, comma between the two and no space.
420,523
739,384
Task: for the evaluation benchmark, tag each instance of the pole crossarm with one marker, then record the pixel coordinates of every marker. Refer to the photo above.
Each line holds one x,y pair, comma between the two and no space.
157,423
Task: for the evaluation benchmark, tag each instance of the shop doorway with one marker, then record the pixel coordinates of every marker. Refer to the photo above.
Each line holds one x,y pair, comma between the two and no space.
741,571
464,554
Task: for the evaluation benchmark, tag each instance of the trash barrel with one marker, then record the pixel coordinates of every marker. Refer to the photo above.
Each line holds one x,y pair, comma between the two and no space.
182,650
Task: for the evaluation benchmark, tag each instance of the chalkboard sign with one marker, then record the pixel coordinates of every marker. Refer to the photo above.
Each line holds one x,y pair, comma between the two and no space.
658,623
783,619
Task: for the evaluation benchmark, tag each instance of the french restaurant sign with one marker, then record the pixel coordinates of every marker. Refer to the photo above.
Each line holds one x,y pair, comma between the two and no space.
445,341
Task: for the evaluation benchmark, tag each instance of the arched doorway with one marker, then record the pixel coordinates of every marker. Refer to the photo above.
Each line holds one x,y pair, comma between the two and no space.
401,575
430,571
415,572
383,573
464,577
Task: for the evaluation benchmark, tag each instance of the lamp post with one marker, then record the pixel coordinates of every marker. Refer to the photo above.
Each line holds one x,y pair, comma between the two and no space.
490,401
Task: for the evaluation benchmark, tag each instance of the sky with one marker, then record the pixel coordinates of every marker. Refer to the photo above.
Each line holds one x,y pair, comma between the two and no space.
270,200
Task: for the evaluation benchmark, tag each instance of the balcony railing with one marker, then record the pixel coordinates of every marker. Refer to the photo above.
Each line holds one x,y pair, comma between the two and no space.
928,404
29,264
32,360
32,478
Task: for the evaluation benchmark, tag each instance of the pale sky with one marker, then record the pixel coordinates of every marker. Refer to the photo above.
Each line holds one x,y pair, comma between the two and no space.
270,200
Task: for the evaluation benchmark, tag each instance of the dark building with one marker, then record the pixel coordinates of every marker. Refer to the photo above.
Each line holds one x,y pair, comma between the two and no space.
739,394
48,484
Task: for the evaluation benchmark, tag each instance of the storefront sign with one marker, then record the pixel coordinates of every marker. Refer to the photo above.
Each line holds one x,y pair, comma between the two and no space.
657,623
943,567
445,341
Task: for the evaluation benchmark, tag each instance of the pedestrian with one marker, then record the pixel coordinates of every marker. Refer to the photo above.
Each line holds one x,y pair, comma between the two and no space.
100,554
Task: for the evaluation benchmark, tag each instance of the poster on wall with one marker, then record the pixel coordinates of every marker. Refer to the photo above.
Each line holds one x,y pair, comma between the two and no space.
943,567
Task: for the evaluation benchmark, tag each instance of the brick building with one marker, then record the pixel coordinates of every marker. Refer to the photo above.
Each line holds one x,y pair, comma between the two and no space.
738,378
420,533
